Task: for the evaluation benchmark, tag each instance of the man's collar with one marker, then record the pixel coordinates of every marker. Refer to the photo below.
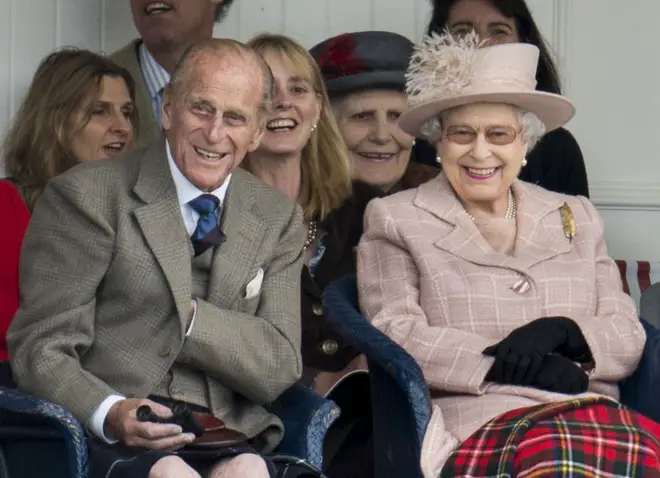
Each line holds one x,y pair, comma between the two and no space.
155,76
187,191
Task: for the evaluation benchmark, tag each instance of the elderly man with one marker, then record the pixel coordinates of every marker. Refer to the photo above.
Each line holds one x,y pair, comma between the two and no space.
166,30
168,273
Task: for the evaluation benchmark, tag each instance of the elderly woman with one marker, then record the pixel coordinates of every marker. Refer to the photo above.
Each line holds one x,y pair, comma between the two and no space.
364,73
79,107
503,291
556,163
302,155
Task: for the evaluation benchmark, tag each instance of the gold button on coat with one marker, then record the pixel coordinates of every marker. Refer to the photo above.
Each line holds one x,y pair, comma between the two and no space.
317,309
330,347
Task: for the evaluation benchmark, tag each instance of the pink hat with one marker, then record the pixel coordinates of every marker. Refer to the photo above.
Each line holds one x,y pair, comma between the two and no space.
447,71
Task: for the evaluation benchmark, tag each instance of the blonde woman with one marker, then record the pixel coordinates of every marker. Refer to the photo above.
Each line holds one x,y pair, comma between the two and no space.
302,154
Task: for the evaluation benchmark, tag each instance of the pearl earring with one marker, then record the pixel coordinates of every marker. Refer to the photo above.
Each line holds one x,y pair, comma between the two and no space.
438,159
413,143
314,127
524,162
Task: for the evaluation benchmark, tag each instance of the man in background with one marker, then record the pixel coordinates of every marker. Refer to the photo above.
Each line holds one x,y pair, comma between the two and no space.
166,30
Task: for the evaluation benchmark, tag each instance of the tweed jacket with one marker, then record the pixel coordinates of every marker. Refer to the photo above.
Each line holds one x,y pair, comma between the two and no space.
429,280
105,279
148,131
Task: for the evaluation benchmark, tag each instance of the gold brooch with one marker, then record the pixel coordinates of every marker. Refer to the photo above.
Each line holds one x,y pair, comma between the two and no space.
567,221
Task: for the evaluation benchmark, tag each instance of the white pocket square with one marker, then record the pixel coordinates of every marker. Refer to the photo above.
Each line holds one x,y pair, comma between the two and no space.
254,286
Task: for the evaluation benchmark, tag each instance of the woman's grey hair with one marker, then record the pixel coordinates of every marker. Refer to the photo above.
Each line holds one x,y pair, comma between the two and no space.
532,129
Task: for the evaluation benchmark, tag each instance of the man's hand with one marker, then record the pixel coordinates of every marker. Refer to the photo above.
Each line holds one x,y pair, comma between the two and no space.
122,424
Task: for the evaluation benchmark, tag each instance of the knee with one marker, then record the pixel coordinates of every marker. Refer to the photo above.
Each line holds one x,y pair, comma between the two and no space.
246,465
172,467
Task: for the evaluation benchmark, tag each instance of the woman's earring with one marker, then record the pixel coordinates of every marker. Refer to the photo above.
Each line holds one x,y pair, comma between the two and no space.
438,159
413,142
524,162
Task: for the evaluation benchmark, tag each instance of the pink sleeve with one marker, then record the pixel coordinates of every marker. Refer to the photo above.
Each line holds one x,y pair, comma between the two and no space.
615,335
388,283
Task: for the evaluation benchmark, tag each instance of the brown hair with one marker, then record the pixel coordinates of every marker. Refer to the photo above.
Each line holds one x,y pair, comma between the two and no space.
325,169
38,145
547,76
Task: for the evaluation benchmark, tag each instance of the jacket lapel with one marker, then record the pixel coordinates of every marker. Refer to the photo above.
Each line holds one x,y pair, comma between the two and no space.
244,229
465,241
540,235
128,58
537,237
162,225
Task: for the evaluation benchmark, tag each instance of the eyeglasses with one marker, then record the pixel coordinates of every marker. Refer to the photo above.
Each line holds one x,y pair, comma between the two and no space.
497,135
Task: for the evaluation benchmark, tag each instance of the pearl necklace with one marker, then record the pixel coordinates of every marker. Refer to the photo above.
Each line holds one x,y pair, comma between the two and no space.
511,209
311,235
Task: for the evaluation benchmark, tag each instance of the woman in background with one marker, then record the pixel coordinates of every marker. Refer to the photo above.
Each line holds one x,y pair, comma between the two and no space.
556,162
364,73
302,155
78,108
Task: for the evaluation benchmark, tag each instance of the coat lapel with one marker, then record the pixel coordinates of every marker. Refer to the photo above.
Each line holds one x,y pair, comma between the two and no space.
162,225
244,229
537,239
128,57
465,241
540,235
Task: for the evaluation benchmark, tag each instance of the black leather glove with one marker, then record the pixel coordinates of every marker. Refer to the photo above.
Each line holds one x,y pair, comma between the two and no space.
561,375
518,358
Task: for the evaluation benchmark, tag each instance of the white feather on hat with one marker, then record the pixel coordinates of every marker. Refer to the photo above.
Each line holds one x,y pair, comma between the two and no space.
441,63
446,71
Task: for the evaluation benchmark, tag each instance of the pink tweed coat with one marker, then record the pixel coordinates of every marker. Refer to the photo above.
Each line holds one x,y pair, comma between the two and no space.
429,280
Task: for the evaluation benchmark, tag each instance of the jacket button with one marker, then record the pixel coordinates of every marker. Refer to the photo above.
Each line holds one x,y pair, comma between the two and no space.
165,351
317,309
330,347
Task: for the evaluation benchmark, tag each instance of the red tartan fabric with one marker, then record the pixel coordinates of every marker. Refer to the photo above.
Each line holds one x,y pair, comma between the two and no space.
586,438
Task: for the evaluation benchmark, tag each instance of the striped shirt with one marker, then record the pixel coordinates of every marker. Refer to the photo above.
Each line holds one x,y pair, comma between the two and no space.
155,78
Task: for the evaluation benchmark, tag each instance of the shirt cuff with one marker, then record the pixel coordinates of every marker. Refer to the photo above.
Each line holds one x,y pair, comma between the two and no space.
97,420
192,321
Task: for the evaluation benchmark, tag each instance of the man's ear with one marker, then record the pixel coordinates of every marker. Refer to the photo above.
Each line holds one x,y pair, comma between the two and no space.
166,108
256,139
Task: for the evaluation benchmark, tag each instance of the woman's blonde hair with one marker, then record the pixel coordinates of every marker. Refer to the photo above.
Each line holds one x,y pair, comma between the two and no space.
38,145
326,166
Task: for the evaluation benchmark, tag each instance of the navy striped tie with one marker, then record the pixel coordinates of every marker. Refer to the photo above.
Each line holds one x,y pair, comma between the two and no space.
208,233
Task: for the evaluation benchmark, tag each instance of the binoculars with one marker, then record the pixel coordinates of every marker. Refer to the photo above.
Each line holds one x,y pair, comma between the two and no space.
181,415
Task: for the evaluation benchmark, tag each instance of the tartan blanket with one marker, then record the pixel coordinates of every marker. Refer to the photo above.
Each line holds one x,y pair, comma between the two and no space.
582,438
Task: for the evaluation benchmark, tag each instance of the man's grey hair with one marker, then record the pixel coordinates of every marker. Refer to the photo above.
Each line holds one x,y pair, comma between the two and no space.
222,10
222,46
532,129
